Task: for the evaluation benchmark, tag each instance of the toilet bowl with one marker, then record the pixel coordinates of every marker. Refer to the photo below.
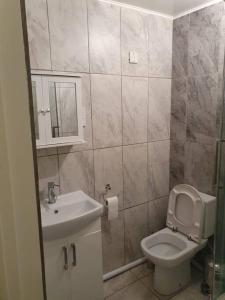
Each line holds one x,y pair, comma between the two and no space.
171,253
189,224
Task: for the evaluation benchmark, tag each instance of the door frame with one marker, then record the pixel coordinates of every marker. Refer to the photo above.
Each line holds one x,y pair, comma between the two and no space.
21,249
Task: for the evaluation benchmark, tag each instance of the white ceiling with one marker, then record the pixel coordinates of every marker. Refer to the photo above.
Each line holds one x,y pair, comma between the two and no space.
172,8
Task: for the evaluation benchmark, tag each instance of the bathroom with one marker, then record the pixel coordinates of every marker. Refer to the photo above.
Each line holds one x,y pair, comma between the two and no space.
126,126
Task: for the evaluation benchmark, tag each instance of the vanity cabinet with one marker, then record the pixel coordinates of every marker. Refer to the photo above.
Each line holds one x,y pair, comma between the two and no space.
59,115
73,266
58,282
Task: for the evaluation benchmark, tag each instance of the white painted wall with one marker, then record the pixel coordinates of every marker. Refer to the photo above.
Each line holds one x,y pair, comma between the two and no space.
171,8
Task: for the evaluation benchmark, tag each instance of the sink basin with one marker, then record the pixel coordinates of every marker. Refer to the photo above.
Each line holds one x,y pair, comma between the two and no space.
68,215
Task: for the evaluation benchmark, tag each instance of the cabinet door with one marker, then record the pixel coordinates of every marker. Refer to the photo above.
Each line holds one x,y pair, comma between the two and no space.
64,121
58,282
86,275
39,110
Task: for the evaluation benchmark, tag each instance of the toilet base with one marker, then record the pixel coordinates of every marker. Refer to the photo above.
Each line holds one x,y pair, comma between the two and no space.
167,281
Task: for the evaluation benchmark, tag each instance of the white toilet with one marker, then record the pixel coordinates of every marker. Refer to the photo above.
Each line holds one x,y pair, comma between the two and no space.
190,222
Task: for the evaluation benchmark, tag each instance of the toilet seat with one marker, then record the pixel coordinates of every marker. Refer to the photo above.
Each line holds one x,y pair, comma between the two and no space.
169,249
185,212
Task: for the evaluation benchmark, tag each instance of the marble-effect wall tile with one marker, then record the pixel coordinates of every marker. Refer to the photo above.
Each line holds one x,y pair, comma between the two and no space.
180,46
202,109
159,109
177,162
160,46
179,109
108,170
158,180
134,37
157,213
117,133
104,37
204,40
38,34
68,35
48,171
196,96
135,109
136,228
76,172
158,169
113,243
106,110
178,130
135,174
199,166
219,109
159,152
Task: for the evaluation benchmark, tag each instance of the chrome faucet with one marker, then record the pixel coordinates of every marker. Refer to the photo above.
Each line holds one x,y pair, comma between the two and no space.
52,197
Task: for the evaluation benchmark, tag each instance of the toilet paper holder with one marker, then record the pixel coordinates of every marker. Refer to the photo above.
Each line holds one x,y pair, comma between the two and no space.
108,188
111,208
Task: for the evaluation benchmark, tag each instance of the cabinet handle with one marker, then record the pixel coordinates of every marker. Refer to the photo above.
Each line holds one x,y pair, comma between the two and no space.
42,111
65,258
74,263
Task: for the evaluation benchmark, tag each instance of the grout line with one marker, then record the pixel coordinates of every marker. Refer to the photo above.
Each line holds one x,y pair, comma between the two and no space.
144,203
122,132
88,36
90,94
148,122
148,288
58,165
124,287
61,152
49,34
137,279
108,74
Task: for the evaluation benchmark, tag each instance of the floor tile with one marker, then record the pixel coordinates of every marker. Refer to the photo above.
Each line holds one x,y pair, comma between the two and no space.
119,282
137,284
192,292
136,291
142,270
148,283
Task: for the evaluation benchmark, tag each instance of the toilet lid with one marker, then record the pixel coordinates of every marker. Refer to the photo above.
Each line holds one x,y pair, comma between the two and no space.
185,211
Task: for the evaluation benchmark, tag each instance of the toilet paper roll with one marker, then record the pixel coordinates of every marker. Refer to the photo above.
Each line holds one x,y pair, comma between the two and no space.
113,208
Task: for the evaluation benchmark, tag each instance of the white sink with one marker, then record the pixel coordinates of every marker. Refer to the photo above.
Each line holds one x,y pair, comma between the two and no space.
68,215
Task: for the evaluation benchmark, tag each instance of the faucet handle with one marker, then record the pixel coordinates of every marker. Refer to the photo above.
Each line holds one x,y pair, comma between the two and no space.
51,185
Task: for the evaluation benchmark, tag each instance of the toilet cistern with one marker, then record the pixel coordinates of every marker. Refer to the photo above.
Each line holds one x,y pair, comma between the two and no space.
52,197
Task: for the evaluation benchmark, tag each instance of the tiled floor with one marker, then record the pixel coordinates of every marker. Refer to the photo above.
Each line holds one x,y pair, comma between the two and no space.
136,284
